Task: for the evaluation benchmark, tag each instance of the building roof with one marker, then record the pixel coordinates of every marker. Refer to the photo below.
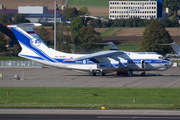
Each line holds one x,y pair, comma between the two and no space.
38,15
15,11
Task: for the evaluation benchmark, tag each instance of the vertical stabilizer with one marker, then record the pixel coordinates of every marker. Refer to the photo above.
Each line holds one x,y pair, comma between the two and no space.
32,45
175,48
112,46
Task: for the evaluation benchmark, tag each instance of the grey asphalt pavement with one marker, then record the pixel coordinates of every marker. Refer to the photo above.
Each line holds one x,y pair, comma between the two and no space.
53,77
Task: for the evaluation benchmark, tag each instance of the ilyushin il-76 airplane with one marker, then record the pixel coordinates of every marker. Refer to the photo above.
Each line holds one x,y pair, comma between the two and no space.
100,63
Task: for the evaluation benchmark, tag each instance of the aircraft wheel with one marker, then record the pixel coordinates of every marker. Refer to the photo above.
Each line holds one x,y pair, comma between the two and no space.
92,74
143,74
118,73
101,74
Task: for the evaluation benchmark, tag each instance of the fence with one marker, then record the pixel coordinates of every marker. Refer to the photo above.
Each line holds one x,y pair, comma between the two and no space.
20,64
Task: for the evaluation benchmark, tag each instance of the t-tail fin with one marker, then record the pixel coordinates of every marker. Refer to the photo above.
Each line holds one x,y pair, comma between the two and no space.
175,48
32,45
111,45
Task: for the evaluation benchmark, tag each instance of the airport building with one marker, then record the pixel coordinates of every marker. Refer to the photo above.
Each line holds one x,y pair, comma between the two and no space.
130,9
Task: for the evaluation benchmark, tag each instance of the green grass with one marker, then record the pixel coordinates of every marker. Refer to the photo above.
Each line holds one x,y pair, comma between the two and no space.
125,47
176,61
52,97
110,31
12,58
98,3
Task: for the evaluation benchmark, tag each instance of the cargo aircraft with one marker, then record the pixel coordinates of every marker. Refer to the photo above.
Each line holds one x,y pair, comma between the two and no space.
100,63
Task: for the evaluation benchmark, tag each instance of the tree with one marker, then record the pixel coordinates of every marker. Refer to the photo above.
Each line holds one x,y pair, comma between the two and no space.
83,11
16,49
63,38
104,24
76,24
129,22
155,33
173,5
97,23
2,43
84,42
19,18
3,18
43,33
174,21
166,22
70,13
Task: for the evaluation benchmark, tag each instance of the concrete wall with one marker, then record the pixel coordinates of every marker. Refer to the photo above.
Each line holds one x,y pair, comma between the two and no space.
20,64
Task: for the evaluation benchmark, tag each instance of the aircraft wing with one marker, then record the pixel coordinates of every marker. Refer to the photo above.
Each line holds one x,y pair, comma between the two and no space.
96,55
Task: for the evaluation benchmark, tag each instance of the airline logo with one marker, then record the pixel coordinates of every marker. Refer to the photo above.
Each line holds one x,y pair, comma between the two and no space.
35,42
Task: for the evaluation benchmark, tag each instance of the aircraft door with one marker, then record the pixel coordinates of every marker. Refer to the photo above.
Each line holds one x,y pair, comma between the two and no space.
143,64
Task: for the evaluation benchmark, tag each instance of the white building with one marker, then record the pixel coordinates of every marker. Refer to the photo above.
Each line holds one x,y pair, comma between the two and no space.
131,9
32,10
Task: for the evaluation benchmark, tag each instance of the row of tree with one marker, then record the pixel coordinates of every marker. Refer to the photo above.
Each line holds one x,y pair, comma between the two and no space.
133,22
18,18
70,13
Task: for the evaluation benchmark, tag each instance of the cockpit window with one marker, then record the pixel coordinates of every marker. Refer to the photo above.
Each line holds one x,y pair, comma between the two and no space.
166,59
163,58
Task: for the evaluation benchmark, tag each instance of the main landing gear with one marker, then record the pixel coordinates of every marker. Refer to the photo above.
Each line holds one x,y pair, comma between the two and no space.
100,73
143,73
